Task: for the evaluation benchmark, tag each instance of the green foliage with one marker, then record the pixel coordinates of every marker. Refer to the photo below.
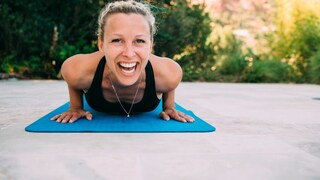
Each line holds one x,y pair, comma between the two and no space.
314,68
268,71
231,61
182,26
235,62
297,36
8,63
197,64
183,33
67,50
28,46
36,68
27,31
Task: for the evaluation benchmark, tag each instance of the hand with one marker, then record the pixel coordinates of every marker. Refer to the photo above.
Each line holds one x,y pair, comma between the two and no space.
172,113
72,115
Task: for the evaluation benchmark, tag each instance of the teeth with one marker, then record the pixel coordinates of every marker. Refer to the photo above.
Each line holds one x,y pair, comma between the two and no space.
128,71
128,68
128,65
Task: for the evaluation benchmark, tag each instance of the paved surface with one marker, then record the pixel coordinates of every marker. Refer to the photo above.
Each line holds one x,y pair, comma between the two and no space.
264,131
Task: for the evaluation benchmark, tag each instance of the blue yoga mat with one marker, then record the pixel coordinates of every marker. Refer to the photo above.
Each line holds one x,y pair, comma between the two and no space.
102,122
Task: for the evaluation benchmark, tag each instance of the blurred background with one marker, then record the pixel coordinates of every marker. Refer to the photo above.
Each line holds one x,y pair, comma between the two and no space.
257,41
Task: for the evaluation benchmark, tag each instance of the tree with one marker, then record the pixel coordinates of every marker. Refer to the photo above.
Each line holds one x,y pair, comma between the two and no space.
37,36
27,29
183,32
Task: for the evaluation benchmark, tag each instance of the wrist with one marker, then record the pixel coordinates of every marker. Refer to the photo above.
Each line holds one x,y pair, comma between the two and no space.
169,108
75,108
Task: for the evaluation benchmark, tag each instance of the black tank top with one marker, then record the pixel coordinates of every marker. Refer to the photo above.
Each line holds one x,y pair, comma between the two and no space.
96,100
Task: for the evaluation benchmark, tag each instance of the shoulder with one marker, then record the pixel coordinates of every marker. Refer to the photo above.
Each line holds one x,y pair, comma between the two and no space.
77,70
168,73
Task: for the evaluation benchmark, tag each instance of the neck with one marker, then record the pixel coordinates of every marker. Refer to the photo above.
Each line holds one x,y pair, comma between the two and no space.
111,78
134,98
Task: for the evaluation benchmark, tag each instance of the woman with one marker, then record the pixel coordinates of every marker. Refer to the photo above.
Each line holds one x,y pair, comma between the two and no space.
123,77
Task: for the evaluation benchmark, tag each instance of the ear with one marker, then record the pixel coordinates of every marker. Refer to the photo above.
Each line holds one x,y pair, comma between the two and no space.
100,44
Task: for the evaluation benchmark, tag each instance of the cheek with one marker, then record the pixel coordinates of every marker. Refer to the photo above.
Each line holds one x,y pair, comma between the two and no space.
144,51
111,54
112,51
111,65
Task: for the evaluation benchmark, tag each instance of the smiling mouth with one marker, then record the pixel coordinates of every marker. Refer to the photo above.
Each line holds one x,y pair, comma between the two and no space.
128,67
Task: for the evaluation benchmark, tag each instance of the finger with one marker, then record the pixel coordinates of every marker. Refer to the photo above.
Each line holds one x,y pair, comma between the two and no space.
177,116
180,117
88,115
55,117
61,117
73,118
188,118
66,118
164,116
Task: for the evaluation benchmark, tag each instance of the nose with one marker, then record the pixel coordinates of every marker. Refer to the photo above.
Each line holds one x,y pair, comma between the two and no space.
128,50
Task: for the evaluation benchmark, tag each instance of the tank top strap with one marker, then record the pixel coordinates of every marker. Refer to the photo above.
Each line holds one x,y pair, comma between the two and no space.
97,79
150,82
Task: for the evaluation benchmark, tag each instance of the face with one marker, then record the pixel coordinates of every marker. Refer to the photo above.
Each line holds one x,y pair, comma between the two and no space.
127,46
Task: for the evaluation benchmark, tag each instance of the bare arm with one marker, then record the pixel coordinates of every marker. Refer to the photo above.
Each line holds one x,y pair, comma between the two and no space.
75,85
169,75
76,98
170,111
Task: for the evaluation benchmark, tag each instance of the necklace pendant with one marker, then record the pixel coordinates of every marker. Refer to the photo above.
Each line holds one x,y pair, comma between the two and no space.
128,115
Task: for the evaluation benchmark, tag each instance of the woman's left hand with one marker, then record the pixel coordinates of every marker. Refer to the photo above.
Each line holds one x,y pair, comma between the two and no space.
172,113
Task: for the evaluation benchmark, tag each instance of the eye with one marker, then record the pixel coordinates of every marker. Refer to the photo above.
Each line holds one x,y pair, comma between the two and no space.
139,41
116,40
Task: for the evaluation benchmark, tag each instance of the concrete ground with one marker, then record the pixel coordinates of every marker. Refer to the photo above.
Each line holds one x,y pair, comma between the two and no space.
264,131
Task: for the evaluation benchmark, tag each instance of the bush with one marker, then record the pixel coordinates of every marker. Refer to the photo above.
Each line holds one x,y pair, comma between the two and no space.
314,68
269,71
197,66
27,28
182,35
297,36
231,59
8,63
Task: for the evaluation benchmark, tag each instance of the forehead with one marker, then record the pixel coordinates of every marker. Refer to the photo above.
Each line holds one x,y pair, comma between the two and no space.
126,22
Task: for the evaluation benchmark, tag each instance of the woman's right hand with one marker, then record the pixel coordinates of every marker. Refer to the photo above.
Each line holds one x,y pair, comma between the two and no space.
71,116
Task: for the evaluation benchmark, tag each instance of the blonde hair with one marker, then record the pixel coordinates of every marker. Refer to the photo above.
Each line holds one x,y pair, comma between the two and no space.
126,7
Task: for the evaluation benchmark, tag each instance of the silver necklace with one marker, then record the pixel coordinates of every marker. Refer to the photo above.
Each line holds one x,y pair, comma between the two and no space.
114,89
